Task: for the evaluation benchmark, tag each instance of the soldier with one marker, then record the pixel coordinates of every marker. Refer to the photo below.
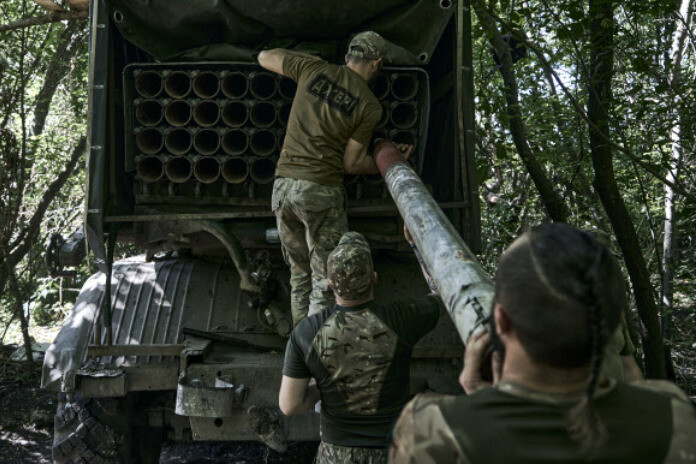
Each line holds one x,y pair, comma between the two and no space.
558,296
328,133
359,352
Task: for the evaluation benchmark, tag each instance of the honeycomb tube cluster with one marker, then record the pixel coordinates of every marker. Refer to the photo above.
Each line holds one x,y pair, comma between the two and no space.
226,124
209,125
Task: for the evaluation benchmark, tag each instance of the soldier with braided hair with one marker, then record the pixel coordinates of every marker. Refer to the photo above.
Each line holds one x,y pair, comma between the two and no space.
559,295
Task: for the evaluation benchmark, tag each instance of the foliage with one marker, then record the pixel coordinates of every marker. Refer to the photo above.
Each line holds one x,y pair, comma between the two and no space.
645,108
44,100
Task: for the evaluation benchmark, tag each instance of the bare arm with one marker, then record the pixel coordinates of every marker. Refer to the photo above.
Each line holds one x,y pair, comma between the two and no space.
297,395
273,59
357,160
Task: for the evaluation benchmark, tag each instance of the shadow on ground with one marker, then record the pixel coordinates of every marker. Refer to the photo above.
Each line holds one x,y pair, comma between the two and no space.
214,452
26,412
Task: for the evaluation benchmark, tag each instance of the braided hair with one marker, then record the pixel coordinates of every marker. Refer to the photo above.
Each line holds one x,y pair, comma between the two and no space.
584,424
563,291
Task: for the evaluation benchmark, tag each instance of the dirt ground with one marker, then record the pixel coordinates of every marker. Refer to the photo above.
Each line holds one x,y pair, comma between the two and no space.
26,413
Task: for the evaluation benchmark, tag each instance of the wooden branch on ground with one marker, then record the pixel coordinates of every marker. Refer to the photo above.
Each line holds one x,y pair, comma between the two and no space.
46,19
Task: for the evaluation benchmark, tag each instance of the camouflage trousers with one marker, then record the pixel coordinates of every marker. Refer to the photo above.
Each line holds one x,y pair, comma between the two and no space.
332,454
311,219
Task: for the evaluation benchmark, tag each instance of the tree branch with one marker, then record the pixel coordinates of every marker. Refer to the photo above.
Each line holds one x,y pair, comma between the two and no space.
13,257
578,108
69,44
46,19
554,204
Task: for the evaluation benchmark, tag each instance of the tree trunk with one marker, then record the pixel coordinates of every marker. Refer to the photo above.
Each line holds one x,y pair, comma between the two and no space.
554,203
19,312
600,97
677,47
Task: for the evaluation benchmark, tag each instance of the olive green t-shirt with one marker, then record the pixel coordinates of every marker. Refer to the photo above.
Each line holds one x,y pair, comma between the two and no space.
332,104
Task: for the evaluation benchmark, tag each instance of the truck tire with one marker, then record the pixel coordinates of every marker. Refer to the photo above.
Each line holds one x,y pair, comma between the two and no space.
90,431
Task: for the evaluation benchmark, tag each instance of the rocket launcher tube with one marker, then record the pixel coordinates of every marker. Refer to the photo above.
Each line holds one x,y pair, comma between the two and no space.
206,113
234,113
235,170
177,113
465,288
263,114
177,84
207,169
262,170
206,84
234,84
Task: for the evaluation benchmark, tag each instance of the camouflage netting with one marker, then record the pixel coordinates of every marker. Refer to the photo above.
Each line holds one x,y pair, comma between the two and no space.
190,30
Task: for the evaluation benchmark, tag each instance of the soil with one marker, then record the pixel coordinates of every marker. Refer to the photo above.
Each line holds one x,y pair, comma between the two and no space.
210,452
26,412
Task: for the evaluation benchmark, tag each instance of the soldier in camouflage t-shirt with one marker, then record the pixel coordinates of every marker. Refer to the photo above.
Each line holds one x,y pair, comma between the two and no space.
359,353
328,133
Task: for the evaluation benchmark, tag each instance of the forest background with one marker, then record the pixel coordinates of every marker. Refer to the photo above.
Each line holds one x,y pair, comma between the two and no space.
585,113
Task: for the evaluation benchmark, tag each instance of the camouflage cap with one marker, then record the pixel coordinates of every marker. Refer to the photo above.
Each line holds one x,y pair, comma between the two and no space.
350,267
367,44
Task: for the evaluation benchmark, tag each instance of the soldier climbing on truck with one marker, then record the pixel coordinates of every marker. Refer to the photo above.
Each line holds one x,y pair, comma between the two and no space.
329,130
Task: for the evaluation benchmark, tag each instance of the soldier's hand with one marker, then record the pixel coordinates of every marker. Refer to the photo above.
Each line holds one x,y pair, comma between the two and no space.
406,150
475,355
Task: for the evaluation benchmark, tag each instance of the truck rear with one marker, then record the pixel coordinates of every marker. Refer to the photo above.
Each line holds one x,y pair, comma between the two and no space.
185,342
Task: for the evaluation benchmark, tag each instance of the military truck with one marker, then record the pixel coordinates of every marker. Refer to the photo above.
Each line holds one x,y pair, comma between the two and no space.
185,342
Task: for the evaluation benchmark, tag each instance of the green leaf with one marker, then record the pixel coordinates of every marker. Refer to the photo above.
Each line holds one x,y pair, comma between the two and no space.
500,151
562,33
575,12
577,30
483,174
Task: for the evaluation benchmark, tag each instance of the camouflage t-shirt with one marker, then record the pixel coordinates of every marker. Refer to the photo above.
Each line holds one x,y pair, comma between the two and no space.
332,104
360,359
